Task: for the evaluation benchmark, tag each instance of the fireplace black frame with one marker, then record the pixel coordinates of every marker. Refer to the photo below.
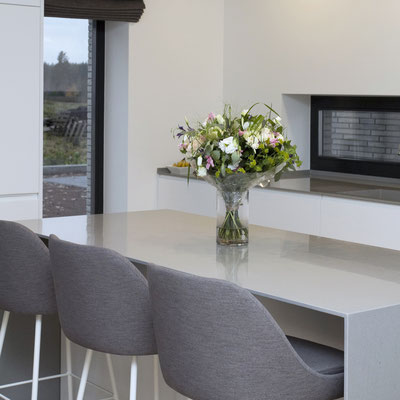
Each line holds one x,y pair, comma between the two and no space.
350,103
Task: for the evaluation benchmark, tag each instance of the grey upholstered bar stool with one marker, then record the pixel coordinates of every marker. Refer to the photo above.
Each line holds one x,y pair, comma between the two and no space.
26,286
216,341
103,303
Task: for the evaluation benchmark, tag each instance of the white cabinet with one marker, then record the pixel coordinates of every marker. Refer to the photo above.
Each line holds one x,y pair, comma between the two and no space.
197,197
358,221
18,207
375,224
20,104
19,99
272,208
285,210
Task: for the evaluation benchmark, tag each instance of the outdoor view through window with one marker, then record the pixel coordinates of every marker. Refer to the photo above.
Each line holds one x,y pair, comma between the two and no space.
65,139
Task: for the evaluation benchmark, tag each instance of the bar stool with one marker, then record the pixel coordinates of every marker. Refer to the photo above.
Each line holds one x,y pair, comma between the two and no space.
26,287
217,342
103,303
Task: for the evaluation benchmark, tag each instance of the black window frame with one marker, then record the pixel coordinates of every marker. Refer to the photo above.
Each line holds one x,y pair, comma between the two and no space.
98,87
350,103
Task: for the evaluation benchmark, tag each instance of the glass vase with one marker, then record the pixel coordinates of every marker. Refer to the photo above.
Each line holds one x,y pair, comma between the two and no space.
233,203
232,218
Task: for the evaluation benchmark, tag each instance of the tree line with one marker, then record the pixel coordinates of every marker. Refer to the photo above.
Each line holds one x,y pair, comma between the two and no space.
66,81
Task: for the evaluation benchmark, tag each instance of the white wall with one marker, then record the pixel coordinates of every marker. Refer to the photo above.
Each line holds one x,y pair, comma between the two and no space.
304,47
175,64
187,58
21,109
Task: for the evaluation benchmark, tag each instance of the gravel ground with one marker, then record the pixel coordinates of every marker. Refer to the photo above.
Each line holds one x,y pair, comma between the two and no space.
63,200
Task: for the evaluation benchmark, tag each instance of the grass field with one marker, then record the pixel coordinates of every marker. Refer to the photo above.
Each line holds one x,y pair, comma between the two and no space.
57,150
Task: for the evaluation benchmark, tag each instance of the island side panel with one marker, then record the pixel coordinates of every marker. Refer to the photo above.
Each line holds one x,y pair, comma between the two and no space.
372,354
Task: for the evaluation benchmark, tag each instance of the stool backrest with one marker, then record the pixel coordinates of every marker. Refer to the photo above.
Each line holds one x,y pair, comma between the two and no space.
102,298
216,341
26,284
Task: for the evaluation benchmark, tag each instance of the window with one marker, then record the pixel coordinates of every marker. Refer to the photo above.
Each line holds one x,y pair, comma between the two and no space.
73,117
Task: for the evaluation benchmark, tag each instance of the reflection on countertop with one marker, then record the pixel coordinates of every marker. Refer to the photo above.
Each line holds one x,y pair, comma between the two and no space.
375,189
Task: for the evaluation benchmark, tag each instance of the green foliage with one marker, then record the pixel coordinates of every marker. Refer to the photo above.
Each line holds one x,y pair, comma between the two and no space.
59,151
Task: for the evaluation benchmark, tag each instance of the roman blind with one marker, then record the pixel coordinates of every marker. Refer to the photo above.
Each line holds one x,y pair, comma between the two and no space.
107,10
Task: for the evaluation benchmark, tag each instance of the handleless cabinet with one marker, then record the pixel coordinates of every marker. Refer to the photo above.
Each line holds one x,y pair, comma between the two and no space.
20,108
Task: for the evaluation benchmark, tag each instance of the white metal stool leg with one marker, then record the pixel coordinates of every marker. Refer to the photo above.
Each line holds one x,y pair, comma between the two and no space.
36,357
85,373
156,378
134,370
69,367
3,329
112,377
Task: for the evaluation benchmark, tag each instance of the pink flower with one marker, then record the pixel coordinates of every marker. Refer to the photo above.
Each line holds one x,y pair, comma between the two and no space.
273,142
211,117
241,133
210,162
182,146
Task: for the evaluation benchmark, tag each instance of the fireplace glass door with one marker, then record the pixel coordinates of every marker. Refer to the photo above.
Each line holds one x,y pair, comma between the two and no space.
356,135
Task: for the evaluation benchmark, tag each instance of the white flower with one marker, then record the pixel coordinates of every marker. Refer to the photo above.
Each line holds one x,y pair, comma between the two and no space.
265,134
199,161
201,171
244,112
228,145
253,141
277,120
220,119
247,134
246,125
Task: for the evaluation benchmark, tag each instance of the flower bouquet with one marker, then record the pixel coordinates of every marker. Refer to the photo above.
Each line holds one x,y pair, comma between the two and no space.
234,154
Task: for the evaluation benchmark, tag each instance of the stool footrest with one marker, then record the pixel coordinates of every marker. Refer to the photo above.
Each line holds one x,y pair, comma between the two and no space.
45,378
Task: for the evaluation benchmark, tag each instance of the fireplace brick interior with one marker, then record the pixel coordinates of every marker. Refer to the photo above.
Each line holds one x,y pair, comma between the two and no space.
361,135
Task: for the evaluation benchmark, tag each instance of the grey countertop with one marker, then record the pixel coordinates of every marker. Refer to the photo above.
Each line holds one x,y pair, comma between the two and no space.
339,278
382,190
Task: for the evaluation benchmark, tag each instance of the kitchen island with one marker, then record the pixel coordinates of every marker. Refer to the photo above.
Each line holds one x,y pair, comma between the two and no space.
356,285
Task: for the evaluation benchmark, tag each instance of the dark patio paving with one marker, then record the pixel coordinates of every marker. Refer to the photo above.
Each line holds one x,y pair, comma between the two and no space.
64,195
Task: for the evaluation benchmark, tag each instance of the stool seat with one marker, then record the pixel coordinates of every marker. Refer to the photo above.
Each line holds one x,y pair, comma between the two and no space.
26,284
26,287
103,303
216,341
323,359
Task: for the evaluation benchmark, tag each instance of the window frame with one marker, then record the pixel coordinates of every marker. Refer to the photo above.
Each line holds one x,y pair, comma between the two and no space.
98,88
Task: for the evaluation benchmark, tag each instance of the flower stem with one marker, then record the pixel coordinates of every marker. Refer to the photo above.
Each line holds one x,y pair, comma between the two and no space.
232,230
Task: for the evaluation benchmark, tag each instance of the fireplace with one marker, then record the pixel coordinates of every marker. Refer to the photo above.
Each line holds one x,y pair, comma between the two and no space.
356,135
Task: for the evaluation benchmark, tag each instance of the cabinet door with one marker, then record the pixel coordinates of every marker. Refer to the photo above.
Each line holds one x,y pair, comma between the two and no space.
20,97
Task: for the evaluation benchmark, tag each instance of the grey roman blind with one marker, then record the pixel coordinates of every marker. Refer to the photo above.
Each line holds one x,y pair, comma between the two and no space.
107,10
